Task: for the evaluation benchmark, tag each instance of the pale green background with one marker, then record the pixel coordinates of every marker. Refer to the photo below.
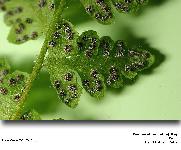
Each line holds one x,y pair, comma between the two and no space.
153,96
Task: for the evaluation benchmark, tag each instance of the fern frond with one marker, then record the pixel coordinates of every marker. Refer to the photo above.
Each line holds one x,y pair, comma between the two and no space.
90,62
74,62
11,87
102,10
29,19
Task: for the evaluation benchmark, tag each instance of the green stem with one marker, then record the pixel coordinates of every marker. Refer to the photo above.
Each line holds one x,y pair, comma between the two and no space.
39,62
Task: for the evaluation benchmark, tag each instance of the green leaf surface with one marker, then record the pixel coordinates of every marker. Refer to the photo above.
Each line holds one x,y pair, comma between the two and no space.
102,10
99,9
129,6
2,5
90,62
11,88
64,79
30,115
29,19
